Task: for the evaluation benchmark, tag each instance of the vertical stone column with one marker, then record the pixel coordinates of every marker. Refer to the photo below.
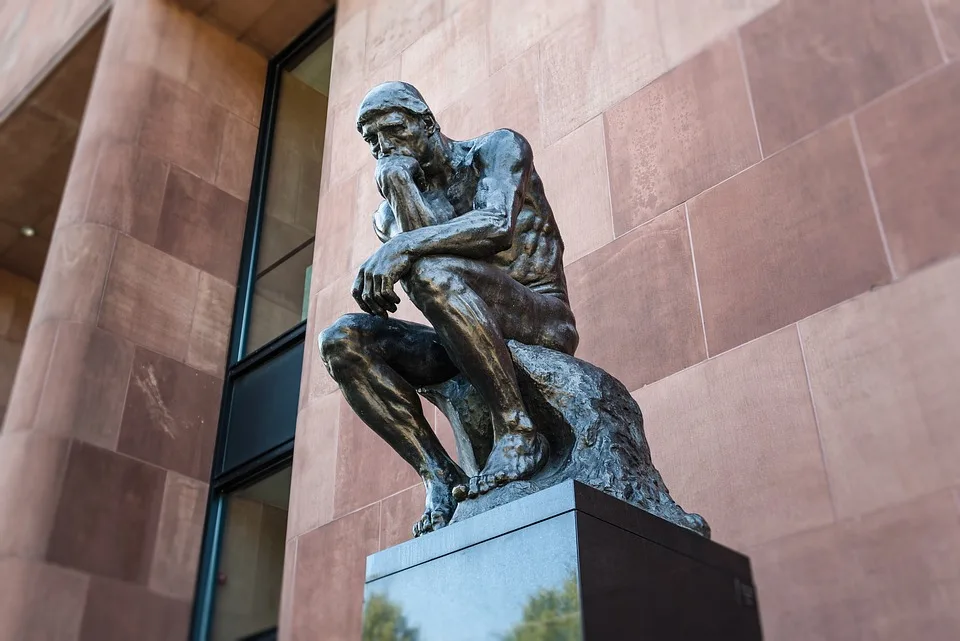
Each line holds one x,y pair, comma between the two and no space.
108,439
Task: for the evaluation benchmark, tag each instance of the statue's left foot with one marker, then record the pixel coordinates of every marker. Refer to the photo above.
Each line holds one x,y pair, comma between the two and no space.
515,457
439,509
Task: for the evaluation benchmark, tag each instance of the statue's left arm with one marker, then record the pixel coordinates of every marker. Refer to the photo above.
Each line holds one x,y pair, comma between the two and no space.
505,164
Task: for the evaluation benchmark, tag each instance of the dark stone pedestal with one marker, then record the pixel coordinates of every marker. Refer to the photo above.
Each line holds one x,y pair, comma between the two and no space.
566,564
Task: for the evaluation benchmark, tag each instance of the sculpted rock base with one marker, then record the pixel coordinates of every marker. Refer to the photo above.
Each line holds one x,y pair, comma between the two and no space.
594,427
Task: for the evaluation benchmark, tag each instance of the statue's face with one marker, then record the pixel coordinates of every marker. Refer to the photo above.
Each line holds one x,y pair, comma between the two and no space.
398,133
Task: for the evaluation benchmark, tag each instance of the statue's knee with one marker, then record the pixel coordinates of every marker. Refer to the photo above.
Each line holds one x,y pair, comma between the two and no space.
339,343
433,278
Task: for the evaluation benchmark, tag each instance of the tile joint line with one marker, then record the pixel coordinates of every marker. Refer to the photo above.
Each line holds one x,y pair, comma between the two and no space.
873,198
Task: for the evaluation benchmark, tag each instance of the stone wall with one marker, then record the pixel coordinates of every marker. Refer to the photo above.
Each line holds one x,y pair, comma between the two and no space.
16,303
759,204
108,441
34,36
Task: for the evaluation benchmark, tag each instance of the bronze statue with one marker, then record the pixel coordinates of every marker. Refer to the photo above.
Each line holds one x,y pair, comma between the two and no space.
468,233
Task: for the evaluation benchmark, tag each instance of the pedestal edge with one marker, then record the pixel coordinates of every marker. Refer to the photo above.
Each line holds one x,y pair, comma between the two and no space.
551,502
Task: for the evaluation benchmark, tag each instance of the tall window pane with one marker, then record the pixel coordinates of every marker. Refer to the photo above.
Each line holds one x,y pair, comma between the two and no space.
293,190
250,572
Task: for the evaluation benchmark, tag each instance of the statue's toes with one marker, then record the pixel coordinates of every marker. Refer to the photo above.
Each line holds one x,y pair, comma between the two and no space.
437,521
473,491
487,482
429,522
460,493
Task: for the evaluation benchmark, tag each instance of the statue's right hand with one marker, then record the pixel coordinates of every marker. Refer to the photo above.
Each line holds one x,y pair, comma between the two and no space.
374,287
399,169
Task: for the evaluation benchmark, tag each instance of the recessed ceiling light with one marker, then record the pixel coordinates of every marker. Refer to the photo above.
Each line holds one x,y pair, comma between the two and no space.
28,231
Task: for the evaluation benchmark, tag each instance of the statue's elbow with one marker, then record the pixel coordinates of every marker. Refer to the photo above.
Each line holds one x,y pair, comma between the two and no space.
502,237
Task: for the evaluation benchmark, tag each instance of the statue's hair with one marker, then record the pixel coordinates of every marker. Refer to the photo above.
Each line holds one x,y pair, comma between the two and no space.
391,96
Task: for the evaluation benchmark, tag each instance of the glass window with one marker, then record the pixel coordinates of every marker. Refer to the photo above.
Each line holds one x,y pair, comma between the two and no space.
250,572
241,568
293,189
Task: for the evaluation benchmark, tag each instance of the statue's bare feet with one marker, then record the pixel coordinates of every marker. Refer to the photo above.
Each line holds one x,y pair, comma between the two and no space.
440,506
515,457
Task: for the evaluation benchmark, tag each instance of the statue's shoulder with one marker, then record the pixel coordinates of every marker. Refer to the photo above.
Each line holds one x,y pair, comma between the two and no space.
500,141
503,136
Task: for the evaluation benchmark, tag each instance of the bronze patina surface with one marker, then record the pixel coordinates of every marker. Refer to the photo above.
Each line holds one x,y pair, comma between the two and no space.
469,235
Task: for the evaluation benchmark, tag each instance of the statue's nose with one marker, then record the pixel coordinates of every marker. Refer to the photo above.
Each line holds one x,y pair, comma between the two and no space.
386,145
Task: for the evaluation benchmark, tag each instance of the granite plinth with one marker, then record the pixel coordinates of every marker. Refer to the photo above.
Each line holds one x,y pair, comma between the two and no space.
569,563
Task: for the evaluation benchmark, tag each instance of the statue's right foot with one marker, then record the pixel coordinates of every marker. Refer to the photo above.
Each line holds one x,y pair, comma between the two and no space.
515,457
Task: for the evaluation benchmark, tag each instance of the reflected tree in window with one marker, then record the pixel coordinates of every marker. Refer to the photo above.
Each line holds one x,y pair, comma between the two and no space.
383,620
550,615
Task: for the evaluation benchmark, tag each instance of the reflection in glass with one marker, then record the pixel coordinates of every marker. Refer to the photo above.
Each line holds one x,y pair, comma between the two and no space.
384,621
280,296
293,191
518,587
250,571
552,614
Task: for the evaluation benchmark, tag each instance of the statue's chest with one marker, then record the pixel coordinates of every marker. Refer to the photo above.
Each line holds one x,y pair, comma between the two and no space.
462,190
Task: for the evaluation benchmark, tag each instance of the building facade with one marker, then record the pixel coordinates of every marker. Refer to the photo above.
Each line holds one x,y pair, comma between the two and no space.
759,203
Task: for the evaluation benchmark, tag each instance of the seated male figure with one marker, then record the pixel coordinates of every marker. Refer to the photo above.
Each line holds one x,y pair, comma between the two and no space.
468,233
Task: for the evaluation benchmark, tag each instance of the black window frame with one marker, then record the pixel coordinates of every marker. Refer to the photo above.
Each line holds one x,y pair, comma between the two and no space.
265,463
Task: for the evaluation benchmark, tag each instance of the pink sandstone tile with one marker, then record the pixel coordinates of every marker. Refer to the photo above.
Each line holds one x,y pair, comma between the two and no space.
179,537
349,54
235,167
85,387
313,482
450,58
38,462
336,217
398,513
106,522
812,61
786,238
635,300
736,440
328,588
689,26
170,414
589,64
361,453
393,26
881,371
516,27
149,298
910,138
119,611
210,329
40,602
506,100
685,132
183,127
75,273
946,15
890,575
575,180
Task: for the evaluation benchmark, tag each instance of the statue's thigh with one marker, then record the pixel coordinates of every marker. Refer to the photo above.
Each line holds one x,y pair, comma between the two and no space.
521,313
413,350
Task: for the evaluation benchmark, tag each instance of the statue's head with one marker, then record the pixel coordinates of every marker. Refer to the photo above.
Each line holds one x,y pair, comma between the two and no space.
395,120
